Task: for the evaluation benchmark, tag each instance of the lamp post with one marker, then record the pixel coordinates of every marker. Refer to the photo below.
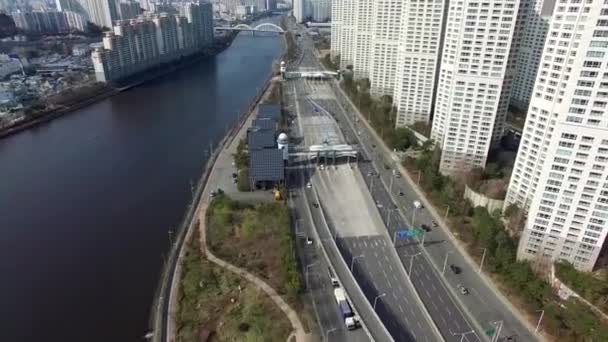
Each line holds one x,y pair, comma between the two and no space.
307,268
542,313
390,187
414,216
412,256
376,299
483,257
329,332
352,262
445,261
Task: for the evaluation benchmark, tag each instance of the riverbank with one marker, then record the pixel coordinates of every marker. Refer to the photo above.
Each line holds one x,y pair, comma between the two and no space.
96,92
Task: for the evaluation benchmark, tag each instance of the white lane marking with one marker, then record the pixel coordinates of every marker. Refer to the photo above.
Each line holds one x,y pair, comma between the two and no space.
420,325
443,319
376,255
434,305
390,267
389,283
441,299
384,273
426,338
427,276
448,310
386,257
427,293
400,308
365,244
457,325
416,272
433,286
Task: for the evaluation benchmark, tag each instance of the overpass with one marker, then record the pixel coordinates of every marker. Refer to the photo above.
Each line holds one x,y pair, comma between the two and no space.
326,153
264,27
311,74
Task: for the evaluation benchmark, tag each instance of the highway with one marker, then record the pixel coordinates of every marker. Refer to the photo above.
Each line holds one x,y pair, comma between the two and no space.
355,217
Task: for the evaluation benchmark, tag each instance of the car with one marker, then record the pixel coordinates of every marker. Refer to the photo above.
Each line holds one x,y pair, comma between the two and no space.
309,241
455,269
463,290
234,175
321,167
308,185
418,205
316,205
401,193
235,181
212,194
425,227
373,145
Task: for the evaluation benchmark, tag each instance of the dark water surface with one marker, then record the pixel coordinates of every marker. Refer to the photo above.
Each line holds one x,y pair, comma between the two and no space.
87,200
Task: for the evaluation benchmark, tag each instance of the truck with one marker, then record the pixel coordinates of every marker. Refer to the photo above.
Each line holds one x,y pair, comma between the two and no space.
350,319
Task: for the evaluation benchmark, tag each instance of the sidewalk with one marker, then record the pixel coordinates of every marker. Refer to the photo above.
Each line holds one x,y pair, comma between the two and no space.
440,220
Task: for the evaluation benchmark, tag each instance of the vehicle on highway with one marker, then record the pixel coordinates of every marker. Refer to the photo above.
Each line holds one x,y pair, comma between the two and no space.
373,145
418,205
455,269
314,204
309,241
212,194
463,290
425,227
396,174
234,175
350,319
401,193
333,278
321,167
308,185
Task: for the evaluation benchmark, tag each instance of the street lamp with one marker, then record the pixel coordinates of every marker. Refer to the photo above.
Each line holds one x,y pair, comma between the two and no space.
497,335
414,216
445,261
412,256
329,332
307,268
483,257
542,313
352,262
376,299
462,335
390,187
388,216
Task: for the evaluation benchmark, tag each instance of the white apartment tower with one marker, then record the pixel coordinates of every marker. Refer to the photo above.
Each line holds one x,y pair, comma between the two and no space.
528,42
473,89
561,170
396,45
418,58
386,34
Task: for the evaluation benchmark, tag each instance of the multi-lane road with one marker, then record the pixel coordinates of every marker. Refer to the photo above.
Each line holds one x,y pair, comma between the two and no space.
455,314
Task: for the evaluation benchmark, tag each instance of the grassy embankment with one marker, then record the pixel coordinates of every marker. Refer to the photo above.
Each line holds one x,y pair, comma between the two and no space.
215,301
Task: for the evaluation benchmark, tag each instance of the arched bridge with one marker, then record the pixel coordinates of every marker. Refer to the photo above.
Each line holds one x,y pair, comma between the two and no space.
264,27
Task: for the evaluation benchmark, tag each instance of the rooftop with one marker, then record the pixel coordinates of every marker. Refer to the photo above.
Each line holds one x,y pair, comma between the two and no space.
260,139
266,165
264,124
269,111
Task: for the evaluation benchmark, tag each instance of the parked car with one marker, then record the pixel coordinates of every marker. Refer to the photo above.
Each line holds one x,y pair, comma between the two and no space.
425,227
212,194
455,269
463,290
234,175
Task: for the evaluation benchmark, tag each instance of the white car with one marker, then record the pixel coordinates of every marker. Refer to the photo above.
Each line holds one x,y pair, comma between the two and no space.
308,185
417,204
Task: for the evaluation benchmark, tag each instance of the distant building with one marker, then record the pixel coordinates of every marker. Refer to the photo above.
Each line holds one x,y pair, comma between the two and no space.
76,22
128,9
80,50
149,40
99,12
271,5
41,22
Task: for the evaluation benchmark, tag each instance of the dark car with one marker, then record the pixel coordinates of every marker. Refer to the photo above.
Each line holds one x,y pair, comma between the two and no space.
234,175
316,205
401,193
426,228
455,269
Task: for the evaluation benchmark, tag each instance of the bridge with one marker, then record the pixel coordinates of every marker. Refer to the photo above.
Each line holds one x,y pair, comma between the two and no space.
264,27
311,74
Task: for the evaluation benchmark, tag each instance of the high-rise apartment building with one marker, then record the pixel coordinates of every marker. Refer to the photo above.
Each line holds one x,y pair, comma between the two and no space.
128,9
396,45
473,87
99,12
561,171
299,10
149,40
41,22
528,42
418,59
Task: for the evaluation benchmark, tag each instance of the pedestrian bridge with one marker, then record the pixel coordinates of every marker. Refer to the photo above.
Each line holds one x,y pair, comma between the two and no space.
264,27
314,74
326,153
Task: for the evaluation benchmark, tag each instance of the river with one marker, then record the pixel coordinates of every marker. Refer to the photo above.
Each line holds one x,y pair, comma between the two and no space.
87,200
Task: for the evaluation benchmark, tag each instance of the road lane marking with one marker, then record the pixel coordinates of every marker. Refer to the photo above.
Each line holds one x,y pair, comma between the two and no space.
427,276
420,325
427,293
457,325
448,310
386,257
400,308
433,286
441,299
389,283
390,267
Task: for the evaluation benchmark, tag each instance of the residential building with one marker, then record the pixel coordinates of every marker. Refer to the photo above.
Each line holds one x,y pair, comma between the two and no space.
99,12
474,81
271,5
299,10
75,21
128,9
529,40
418,59
41,22
149,40
396,45
560,176
321,10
